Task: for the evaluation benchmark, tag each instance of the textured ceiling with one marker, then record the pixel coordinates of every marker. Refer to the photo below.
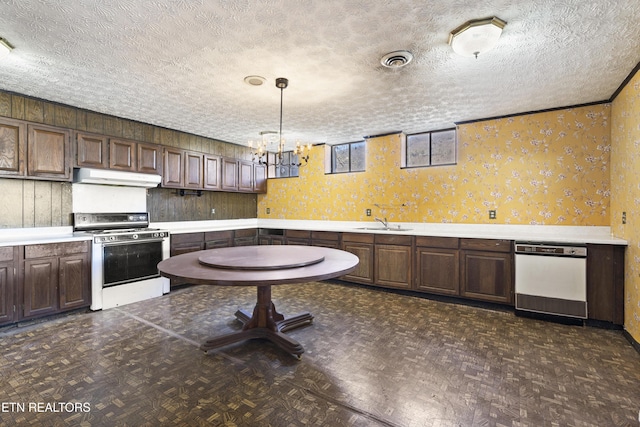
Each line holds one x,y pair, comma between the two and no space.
180,64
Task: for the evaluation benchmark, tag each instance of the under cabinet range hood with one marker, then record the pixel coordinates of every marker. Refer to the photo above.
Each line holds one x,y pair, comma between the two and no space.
112,177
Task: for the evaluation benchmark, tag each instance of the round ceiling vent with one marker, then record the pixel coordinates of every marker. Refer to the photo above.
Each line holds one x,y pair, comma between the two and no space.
396,59
254,80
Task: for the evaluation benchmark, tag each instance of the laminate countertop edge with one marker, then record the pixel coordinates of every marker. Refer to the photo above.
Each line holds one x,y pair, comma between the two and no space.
529,233
39,235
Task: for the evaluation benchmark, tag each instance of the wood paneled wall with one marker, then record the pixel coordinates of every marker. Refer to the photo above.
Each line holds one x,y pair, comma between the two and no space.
166,205
28,203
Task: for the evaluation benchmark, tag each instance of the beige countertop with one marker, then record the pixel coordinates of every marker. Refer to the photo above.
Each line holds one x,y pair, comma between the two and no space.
530,233
38,235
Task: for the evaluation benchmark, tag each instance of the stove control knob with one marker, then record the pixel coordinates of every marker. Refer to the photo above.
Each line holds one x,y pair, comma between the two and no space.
134,236
112,237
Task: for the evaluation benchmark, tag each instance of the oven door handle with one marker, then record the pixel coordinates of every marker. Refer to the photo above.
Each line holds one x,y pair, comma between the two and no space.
131,242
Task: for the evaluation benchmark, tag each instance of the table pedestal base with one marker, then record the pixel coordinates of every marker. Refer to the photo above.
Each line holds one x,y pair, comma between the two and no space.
266,323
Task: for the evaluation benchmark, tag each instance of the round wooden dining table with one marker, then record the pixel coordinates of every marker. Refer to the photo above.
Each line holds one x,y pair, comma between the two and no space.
263,267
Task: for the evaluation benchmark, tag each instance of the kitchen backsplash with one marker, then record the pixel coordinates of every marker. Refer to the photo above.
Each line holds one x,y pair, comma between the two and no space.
90,198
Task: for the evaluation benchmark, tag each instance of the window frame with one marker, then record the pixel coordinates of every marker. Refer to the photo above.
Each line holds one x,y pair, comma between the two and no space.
332,169
431,162
272,168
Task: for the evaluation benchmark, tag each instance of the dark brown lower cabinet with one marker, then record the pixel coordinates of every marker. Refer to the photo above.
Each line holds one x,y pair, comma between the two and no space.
487,276
393,261
55,278
360,245
298,237
218,239
270,236
8,260
245,237
393,266
74,277
186,242
326,239
605,283
182,243
40,282
438,270
437,265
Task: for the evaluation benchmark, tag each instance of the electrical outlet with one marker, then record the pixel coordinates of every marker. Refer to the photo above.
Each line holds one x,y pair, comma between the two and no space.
368,212
492,214
268,211
213,211
624,217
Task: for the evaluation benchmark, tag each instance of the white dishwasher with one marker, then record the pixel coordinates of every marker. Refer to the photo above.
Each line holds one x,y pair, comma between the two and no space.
551,279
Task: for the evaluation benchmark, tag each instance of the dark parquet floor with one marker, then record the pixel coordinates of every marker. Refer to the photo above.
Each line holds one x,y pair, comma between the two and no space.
372,358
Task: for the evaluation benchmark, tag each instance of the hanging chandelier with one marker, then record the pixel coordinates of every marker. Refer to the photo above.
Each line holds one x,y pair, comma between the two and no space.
261,151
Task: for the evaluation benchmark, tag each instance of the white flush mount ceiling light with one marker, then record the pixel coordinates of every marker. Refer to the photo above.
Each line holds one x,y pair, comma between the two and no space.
396,59
5,48
254,80
476,37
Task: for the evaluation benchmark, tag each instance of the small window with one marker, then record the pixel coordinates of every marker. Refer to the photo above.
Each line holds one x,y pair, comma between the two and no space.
349,157
431,149
286,168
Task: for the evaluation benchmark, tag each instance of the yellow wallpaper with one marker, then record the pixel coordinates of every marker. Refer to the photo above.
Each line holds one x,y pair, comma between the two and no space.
625,176
545,168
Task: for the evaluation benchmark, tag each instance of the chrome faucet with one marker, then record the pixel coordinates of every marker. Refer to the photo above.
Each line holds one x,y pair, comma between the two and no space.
383,221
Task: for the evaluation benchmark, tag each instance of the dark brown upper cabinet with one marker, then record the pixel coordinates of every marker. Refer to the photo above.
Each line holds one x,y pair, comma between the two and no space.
122,155
259,178
193,173
212,172
48,153
34,151
149,158
92,151
245,176
173,169
229,174
12,143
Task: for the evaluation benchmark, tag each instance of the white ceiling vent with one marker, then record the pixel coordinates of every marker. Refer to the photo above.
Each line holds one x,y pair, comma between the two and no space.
396,59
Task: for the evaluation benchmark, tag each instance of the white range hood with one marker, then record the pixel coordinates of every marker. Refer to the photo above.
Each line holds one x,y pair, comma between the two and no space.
112,177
